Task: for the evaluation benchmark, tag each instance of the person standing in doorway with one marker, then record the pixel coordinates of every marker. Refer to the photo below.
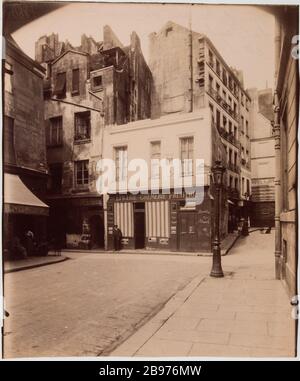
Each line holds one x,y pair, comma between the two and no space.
117,238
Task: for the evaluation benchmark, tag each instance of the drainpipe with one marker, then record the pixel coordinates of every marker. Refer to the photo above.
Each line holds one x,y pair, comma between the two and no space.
276,129
191,90
277,185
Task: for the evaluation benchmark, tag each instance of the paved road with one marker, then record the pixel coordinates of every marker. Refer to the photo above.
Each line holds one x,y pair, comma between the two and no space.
85,306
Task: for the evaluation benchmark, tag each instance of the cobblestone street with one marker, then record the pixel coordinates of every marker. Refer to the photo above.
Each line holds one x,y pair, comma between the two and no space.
89,303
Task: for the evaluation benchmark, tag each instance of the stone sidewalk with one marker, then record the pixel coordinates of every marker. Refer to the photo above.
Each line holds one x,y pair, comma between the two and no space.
245,314
31,262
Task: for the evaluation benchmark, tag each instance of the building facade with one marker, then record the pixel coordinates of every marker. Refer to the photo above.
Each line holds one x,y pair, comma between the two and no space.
154,217
286,110
190,74
24,152
86,88
262,159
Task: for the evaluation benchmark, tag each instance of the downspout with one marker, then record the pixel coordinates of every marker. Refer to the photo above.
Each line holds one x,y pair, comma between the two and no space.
191,89
276,129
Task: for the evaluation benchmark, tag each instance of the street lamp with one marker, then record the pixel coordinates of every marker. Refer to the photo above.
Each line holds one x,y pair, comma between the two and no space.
217,177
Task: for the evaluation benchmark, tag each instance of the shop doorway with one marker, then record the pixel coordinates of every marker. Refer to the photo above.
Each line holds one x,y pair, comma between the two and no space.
188,231
97,231
139,225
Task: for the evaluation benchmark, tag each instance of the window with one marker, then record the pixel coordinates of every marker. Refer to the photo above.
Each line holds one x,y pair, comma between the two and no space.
218,70
8,141
224,95
218,88
248,187
8,72
231,182
235,158
75,81
230,156
97,82
230,127
60,85
82,125
54,132
224,122
186,155
236,183
121,163
242,125
211,58
243,185
212,112
218,119
81,173
56,171
247,128
224,77
235,132
211,82
155,158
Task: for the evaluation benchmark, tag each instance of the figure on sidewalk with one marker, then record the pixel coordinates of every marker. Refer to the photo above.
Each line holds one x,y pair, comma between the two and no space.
117,238
30,243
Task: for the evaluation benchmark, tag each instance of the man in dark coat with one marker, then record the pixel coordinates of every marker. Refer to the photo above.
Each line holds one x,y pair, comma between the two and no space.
117,238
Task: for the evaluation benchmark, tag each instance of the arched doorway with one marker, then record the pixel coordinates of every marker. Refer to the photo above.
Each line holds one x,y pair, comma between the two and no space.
97,231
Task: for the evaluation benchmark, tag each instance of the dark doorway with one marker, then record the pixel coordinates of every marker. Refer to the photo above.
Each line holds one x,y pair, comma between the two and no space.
139,225
188,231
97,231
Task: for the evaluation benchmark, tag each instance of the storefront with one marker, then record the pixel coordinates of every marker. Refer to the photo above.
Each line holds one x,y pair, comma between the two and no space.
77,222
160,221
23,211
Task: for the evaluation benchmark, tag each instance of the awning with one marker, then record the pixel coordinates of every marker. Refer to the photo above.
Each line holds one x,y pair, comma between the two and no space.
18,199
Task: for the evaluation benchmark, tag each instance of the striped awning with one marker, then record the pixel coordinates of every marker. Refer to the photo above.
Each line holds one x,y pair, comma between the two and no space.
18,199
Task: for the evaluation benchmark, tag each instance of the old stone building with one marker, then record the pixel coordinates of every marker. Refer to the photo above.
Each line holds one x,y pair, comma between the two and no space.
86,88
286,121
24,159
189,73
262,158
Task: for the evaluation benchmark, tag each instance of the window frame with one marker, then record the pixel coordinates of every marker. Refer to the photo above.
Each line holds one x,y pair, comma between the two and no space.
84,184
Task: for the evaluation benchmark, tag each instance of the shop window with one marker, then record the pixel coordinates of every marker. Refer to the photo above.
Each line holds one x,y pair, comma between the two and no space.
54,132
82,126
60,85
82,173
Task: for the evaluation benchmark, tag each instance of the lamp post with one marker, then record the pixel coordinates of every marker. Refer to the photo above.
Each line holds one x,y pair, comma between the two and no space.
217,176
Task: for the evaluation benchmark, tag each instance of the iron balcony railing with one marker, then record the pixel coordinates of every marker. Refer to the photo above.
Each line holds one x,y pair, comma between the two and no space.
222,102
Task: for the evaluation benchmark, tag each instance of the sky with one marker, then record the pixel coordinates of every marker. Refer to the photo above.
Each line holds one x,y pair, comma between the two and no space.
244,35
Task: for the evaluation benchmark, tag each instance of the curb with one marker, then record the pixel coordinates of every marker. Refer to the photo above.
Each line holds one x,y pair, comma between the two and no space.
34,265
226,251
130,346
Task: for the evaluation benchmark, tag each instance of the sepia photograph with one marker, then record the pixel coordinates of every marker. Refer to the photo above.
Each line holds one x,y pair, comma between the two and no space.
149,181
